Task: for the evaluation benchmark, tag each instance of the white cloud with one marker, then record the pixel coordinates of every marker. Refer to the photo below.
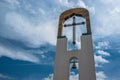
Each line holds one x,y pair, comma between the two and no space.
66,3
43,56
41,11
74,76
34,35
100,60
115,11
18,54
6,77
78,44
76,4
81,4
13,4
103,45
29,8
107,1
107,19
50,77
92,10
72,4
101,75
101,52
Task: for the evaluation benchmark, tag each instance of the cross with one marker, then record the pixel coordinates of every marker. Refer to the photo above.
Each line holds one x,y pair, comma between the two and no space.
74,30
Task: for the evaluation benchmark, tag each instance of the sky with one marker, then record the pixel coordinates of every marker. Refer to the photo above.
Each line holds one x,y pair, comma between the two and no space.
28,35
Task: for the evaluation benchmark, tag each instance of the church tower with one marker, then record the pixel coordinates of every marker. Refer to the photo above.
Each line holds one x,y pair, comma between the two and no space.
84,56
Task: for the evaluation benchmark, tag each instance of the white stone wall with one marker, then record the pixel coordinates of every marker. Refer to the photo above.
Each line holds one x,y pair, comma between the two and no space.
85,58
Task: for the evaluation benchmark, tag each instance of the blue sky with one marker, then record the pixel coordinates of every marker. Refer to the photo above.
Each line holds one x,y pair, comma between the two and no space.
28,33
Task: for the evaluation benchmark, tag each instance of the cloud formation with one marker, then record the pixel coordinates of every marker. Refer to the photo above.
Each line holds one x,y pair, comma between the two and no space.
77,4
103,45
18,54
50,77
34,35
107,18
101,52
100,60
72,4
6,77
101,75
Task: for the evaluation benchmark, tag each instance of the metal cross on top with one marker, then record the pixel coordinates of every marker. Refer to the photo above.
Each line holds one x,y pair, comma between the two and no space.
74,29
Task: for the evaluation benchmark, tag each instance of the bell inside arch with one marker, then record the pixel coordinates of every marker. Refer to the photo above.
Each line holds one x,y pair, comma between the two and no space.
74,66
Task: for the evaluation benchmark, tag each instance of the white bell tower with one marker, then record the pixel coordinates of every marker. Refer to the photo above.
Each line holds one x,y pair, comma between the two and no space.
85,55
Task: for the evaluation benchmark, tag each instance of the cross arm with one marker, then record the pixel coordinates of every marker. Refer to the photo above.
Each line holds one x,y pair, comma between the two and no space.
74,24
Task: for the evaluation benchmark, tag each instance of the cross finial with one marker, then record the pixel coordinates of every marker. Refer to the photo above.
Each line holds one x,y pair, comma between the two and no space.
74,29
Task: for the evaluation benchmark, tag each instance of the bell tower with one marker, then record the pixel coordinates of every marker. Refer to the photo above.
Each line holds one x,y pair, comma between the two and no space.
84,56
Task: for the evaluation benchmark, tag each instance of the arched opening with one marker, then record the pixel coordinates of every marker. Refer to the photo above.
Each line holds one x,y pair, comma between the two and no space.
74,69
80,12
72,36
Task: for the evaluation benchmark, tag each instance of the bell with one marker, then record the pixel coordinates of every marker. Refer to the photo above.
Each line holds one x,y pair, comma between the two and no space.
74,66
